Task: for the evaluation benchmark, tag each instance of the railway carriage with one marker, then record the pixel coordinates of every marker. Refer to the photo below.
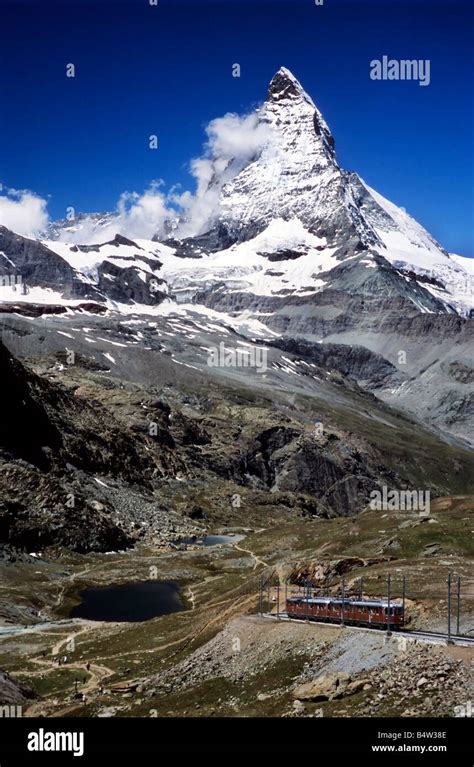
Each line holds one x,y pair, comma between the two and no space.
364,612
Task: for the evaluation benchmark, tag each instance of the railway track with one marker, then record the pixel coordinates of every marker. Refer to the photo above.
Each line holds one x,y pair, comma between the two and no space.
427,636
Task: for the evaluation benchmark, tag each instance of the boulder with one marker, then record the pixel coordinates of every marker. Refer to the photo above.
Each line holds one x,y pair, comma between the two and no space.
327,687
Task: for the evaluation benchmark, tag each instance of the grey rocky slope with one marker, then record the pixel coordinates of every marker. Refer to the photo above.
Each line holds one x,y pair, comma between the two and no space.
13,692
152,442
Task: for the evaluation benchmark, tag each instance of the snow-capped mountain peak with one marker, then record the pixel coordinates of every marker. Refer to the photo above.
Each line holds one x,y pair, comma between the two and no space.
295,174
284,91
285,85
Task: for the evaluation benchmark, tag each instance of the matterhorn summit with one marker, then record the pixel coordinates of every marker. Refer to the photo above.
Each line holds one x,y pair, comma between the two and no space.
296,173
293,198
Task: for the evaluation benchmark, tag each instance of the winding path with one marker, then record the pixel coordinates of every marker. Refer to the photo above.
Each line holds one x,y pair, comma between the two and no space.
257,560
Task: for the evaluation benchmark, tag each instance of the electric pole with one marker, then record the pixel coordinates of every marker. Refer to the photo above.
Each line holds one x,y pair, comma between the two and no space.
388,603
458,608
449,608
343,588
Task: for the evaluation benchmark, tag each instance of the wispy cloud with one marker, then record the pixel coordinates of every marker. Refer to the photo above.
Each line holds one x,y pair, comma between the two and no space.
136,216
232,142
23,211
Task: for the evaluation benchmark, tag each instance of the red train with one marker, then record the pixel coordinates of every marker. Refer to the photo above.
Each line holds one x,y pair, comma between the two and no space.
356,612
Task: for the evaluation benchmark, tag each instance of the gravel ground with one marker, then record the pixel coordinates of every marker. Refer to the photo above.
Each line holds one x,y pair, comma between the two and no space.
393,677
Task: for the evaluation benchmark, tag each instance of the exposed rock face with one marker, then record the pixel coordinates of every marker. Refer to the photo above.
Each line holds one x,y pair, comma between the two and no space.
337,478
367,368
320,573
25,429
13,693
461,372
62,427
328,687
47,435
115,271
49,521
126,285
37,265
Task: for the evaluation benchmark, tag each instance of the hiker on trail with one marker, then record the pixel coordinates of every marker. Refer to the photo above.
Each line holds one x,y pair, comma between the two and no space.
88,665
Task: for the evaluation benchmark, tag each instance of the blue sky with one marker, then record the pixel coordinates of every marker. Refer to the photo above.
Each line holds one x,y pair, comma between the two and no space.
166,70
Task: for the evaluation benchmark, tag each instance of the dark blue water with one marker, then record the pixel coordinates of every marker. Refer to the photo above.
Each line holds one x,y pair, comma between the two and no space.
129,601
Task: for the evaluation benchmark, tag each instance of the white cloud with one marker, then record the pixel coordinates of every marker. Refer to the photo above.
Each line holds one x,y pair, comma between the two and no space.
233,141
143,214
22,211
137,216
